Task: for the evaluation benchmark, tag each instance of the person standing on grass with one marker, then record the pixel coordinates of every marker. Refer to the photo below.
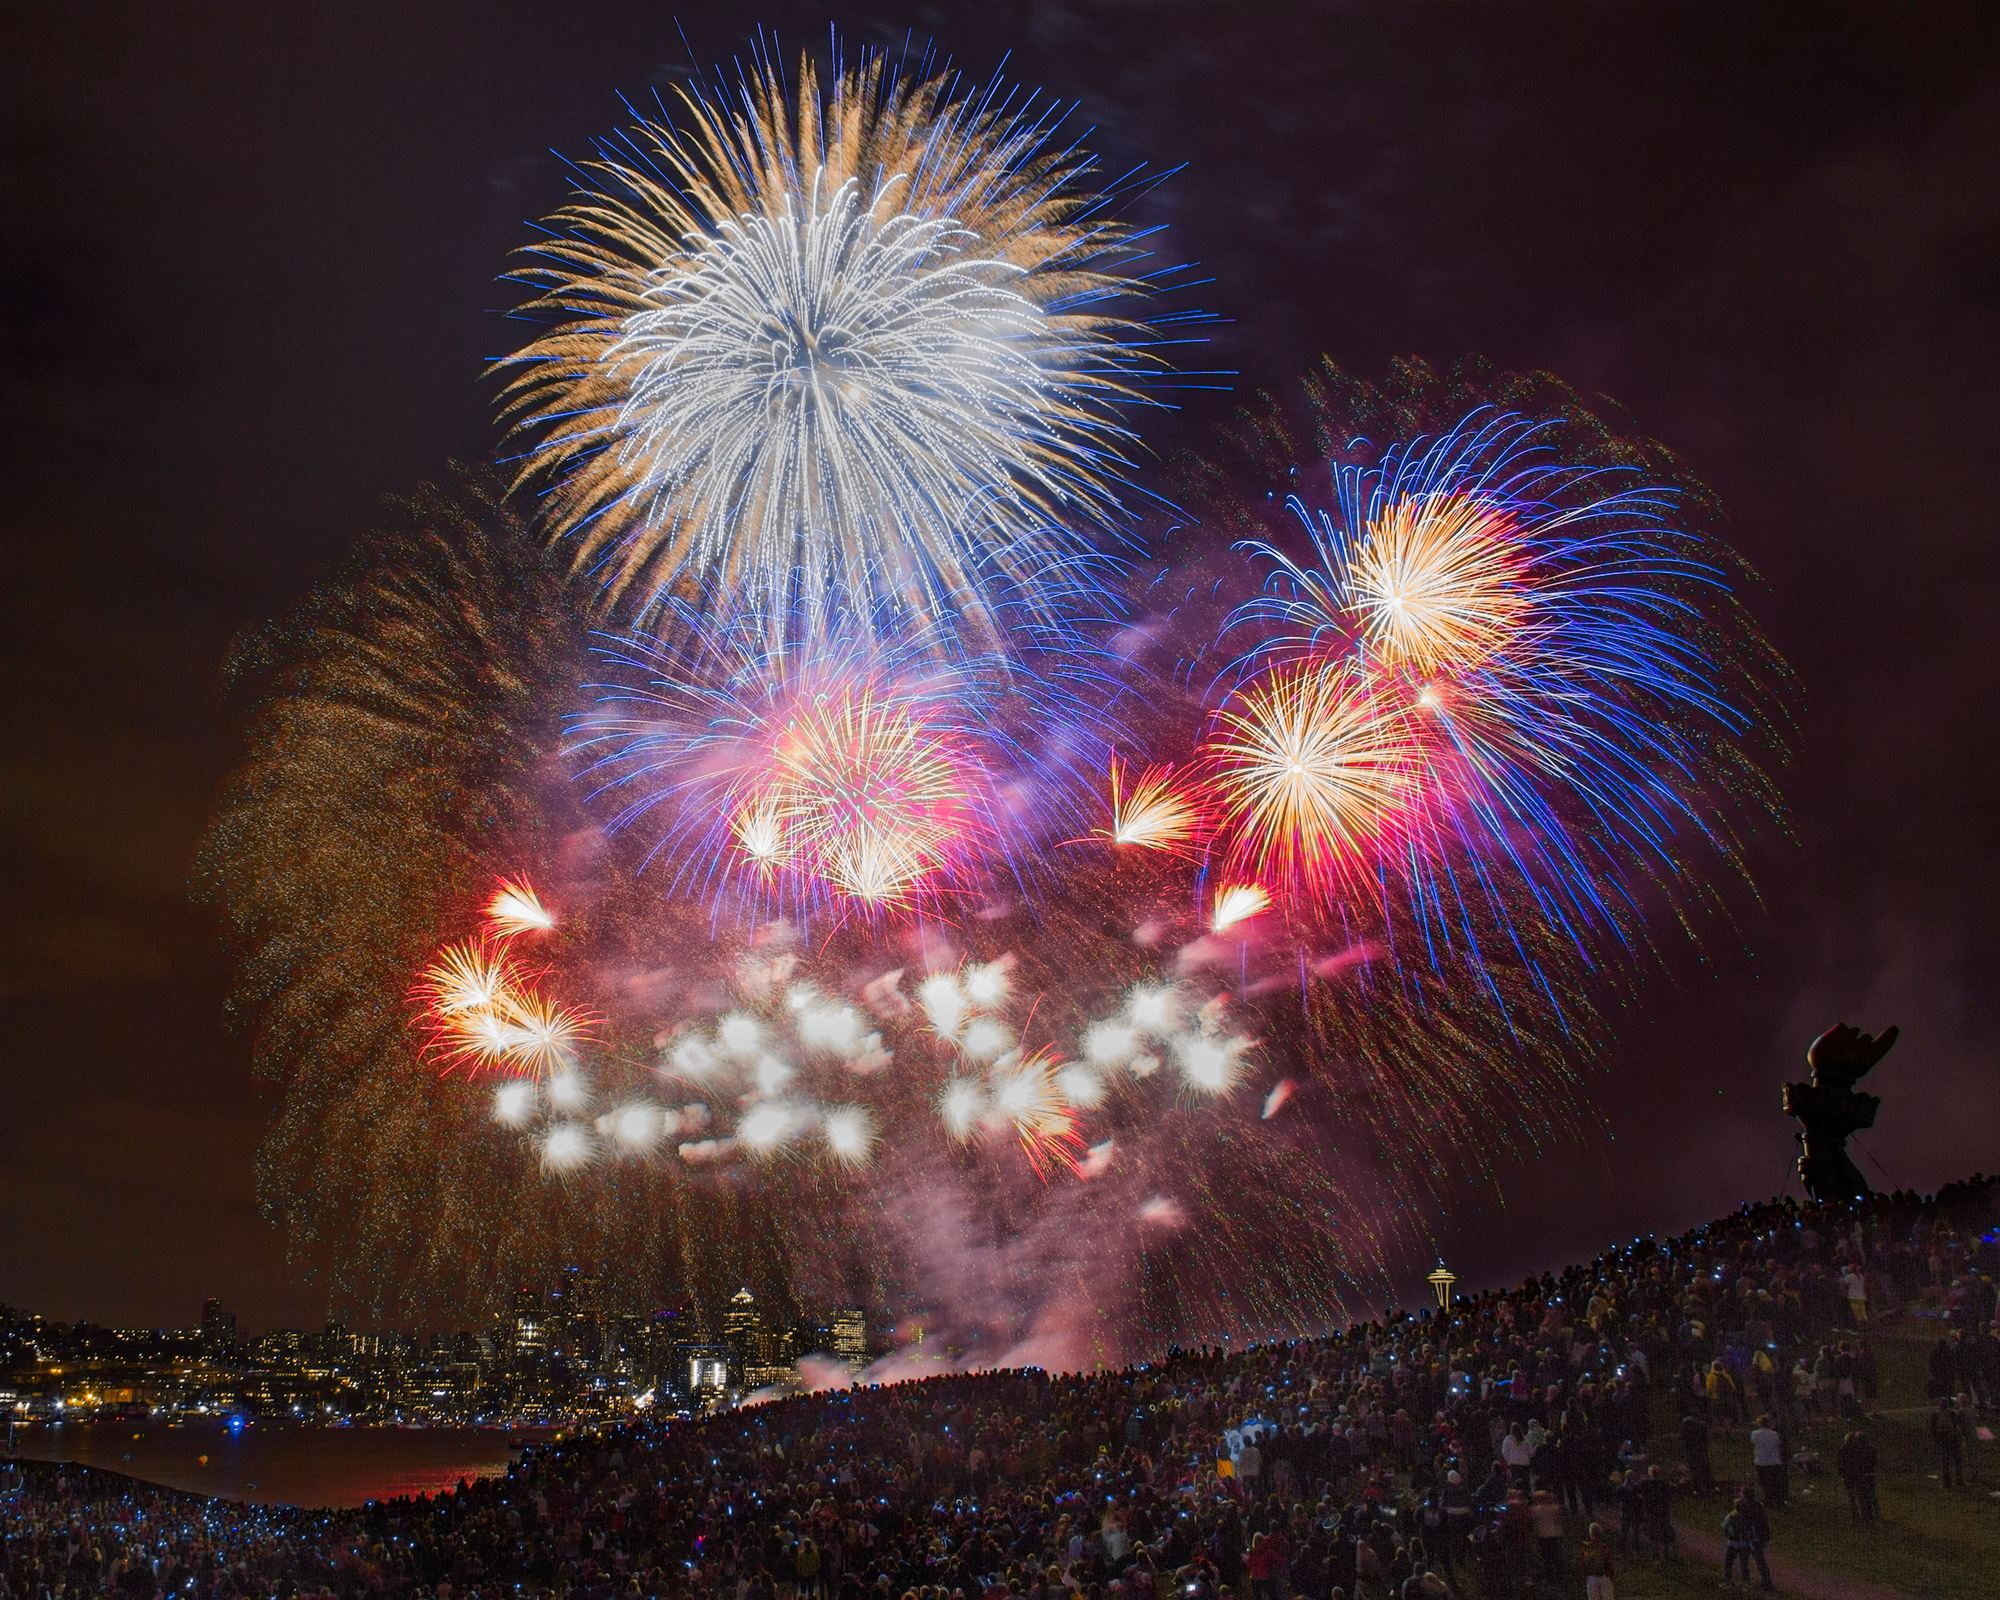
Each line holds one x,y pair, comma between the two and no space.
1735,1545
1625,1490
1855,1285
1745,1532
1950,1440
1694,1450
1545,1516
1656,1509
1855,1461
1760,1536
1598,1563
1725,1396
1767,1455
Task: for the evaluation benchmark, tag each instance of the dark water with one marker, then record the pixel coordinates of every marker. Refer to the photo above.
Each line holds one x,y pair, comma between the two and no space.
274,1464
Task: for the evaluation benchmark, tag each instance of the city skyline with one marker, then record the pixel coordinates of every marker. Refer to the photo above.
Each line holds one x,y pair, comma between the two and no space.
553,1354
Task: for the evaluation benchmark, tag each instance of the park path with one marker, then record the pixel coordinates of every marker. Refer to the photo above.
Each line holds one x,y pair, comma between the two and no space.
1792,1579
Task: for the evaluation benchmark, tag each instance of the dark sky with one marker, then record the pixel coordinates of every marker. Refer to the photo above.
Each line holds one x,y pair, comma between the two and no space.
247,283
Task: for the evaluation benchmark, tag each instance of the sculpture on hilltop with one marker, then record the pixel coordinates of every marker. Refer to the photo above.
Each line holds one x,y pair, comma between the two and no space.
1830,1109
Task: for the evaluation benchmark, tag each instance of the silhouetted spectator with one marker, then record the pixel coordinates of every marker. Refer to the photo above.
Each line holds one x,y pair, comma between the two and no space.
1855,1461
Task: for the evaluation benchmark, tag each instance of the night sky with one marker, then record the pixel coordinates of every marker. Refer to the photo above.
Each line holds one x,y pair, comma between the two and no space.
248,261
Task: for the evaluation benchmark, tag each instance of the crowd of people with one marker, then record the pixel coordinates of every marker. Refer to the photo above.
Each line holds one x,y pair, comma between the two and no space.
1534,1439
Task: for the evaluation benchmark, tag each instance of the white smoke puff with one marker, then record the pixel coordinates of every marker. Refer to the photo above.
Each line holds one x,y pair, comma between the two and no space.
820,1373
1208,1064
1274,1102
635,1126
961,1104
1110,1044
987,985
1097,1160
834,1028
568,1091
1163,1212
767,1126
850,1134
702,1150
739,1035
870,1058
986,1040
943,1002
1081,1087
771,1074
1151,1009
565,1147
514,1103
691,1056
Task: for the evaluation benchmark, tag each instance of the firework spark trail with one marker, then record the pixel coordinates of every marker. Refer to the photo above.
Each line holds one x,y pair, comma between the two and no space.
516,909
1364,897
856,772
862,340
1149,812
1518,633
1311,774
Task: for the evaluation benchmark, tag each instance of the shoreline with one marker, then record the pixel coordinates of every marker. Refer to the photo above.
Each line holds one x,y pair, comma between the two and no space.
301,1466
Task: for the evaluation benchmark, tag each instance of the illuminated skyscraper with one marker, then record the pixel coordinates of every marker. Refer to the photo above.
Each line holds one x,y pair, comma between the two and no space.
850,1338
530,1330
757,1355
218,1329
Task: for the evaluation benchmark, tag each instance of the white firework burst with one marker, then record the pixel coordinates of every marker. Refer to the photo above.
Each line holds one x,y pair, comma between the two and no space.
854,341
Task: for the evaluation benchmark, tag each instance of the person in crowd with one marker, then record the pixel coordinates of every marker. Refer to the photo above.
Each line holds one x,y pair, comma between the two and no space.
1856,1462
1746,1532
1656,1512
1949,1438
1694,1451
1599,1565
1545,1517
1855,1285
1631,1511
1767,1458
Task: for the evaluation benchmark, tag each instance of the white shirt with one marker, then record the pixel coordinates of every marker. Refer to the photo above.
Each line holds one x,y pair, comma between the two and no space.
1765,1448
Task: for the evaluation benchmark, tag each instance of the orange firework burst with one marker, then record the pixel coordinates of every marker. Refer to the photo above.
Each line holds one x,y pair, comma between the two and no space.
483,1015
1027,1094
1238,903
759,829
863,795
515,908
1151,814
465,980
544,1035
1310,770
1436,582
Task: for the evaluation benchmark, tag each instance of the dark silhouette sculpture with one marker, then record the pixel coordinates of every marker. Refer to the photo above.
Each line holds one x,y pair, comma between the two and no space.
1830,1109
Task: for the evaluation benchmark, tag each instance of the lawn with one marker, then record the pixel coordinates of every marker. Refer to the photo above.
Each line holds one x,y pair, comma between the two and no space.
1929,1541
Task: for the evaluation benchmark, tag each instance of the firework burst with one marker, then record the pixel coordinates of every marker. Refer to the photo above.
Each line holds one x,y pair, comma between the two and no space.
1310,772
516,909
854,336
848,773
1530,633
1148,812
